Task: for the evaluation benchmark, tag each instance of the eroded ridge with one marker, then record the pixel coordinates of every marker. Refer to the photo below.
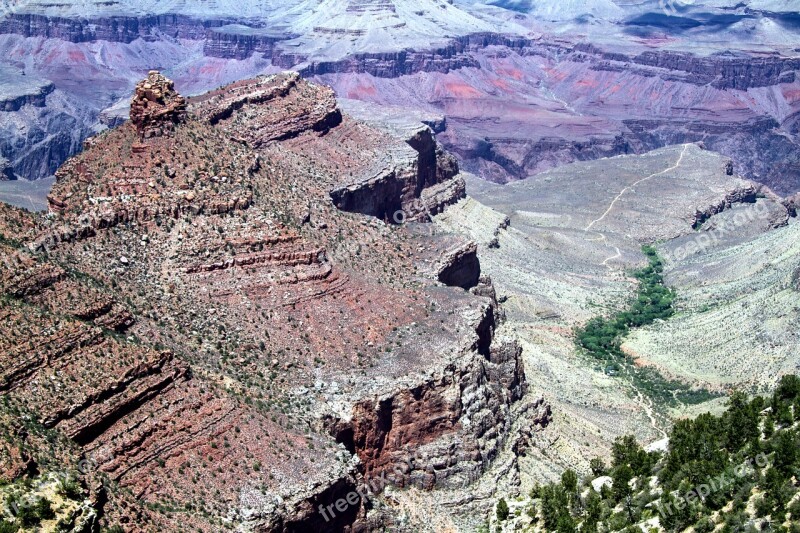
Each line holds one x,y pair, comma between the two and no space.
200,320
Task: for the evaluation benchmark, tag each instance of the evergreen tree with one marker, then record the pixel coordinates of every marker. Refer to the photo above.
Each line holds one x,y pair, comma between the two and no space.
786,454
555,505
502,510
622,476
741,422
569,480
594,512
598,466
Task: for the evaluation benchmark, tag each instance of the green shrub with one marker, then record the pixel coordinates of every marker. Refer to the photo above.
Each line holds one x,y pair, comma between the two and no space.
569,480
705,525
70,488
763,507
502,510
794,509
598,467
44,509
602,337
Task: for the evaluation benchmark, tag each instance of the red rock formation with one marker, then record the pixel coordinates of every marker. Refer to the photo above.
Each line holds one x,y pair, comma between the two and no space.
156,106
262,325
278,108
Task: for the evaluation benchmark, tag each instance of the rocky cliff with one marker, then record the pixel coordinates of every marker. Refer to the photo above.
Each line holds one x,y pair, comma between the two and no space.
36,98
156,107
226,39
6,173
517,105
225,345
121,28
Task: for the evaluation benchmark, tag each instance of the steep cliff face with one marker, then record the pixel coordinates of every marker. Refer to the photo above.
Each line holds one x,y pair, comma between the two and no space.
724,72
216,335
6,173
37,98
460,267
411,181
124,29
228,43
444,431
40,126
792,203
444,428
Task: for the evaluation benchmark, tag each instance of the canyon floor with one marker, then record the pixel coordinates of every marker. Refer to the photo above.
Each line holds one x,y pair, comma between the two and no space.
561,248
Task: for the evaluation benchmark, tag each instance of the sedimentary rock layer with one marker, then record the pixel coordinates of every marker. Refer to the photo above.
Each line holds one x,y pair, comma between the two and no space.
216,336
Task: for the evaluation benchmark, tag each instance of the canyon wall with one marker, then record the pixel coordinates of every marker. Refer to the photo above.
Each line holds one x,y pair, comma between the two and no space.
749,116
252,361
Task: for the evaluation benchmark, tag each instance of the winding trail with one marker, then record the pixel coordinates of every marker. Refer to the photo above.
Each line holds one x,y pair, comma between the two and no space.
615,256
648,408
640,398
602,236
631,186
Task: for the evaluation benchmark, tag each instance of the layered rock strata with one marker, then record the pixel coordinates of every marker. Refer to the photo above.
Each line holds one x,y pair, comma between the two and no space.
156,106
220,339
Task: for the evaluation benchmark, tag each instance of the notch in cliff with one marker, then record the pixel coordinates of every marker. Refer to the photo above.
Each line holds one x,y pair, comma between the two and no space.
156,106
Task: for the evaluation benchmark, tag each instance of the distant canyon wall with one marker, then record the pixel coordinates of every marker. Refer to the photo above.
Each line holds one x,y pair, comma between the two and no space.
764,148
722,71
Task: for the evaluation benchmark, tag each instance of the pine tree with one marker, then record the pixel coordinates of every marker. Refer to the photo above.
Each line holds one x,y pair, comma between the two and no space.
594,512
622,477
502,510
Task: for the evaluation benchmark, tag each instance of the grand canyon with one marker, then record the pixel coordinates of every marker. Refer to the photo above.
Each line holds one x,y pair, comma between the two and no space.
398,265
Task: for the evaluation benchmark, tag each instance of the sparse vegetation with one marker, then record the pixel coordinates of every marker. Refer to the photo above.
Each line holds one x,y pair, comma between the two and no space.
720,473
602,337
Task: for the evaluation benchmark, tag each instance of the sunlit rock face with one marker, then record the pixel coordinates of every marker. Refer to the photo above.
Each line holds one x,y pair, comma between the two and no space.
156,106
525,86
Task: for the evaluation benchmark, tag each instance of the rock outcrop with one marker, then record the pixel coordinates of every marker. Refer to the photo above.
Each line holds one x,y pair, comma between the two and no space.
232,44
156,107
303,107
36,98
722,71
460,267
792,203
213,332
6,172
411,181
